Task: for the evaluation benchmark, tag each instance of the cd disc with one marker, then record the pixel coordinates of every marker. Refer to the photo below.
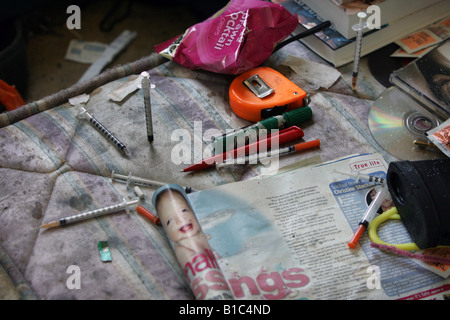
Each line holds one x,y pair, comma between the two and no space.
398,123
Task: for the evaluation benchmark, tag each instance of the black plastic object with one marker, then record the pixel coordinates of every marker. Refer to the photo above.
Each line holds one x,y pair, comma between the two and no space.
421,193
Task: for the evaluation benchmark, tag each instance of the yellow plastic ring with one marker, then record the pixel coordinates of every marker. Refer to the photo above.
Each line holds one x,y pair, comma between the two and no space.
373,226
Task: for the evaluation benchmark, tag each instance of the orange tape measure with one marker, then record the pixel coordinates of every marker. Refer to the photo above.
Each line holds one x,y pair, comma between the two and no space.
263,92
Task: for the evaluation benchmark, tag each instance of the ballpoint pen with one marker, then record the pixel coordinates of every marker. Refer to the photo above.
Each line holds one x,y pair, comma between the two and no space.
283,136
254,158
230,140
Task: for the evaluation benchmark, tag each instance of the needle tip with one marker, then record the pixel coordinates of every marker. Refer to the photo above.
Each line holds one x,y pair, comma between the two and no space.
354,81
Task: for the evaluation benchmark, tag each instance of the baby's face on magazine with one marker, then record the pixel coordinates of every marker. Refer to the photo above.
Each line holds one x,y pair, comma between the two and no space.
177,217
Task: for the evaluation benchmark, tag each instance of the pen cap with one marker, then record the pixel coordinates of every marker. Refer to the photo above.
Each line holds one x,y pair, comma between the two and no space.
297,116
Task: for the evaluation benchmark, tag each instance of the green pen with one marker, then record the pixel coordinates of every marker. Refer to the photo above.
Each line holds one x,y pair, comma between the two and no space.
241,137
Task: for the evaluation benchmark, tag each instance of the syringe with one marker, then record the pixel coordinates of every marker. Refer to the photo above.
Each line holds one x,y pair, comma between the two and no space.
91,214
358,44
143,181
101,128
147,105
366,177
382,194
243,136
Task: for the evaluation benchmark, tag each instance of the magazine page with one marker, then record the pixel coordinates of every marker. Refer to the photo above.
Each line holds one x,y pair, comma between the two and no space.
286,236
190,244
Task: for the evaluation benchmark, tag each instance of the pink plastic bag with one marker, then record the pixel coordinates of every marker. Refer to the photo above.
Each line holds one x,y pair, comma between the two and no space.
239,37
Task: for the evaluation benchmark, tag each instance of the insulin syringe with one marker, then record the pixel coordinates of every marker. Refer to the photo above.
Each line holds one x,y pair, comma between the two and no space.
101,128
129,179
358,28
382,194
366,177
92,214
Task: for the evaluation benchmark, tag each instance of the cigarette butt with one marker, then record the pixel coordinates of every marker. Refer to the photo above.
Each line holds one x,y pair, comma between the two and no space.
143,211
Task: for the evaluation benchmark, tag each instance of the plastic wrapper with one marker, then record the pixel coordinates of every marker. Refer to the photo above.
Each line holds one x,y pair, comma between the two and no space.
440,136
192,250
239,37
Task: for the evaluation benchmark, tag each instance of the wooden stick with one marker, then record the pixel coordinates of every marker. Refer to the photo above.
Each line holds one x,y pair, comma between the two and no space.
61,97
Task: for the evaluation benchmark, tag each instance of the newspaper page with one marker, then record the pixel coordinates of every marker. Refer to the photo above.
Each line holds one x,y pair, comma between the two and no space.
285,237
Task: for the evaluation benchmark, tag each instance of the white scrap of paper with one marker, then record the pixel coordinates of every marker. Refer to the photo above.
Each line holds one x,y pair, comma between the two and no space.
85,51
82,98
131,85
113,49
313,72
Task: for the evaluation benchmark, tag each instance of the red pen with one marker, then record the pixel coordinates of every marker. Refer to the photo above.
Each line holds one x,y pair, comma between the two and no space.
284,136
